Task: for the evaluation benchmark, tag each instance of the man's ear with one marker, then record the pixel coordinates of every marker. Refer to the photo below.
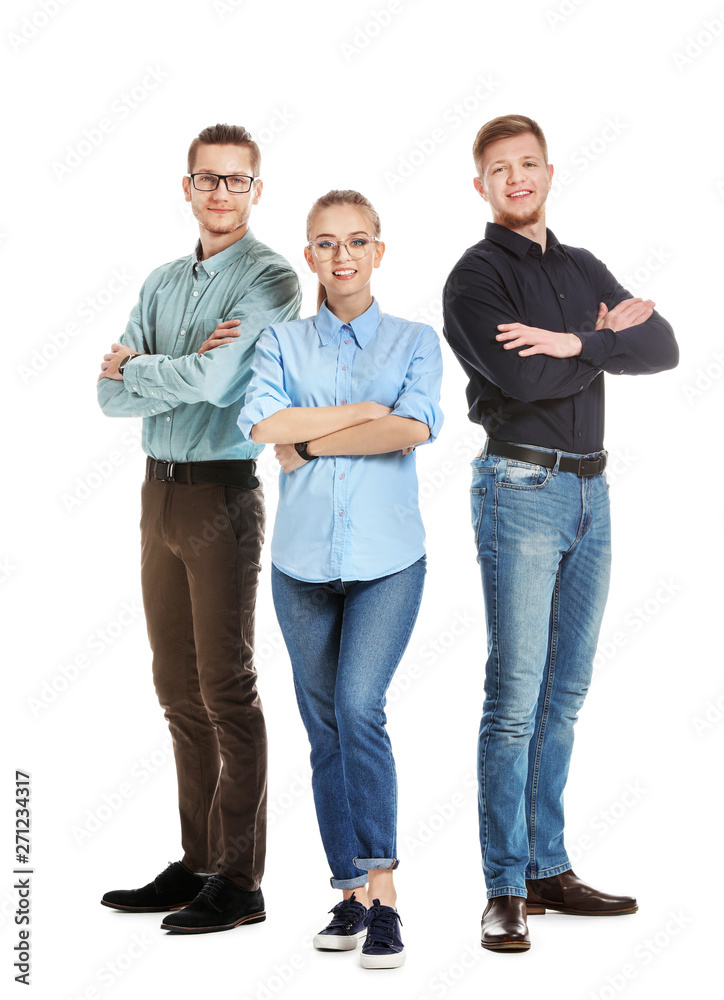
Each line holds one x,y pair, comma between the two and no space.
480,188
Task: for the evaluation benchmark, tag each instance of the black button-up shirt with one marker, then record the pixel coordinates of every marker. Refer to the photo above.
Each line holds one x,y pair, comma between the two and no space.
540,400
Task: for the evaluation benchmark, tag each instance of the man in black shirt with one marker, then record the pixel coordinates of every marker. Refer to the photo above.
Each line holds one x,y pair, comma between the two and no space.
535,324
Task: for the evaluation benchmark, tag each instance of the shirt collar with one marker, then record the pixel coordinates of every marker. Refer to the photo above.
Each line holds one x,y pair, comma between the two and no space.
363,327
520,245
225,257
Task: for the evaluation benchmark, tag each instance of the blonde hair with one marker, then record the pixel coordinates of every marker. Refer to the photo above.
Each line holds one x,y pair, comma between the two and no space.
505,127
338,197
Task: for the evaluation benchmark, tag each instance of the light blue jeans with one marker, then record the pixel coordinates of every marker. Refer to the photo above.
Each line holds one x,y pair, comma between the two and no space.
345,640
544,546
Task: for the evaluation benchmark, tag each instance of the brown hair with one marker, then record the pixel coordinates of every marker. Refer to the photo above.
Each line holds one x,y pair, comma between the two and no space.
338,197
505,127
226,135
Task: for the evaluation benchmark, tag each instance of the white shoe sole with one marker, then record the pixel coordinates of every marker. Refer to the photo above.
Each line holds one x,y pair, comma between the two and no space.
336,942
393,961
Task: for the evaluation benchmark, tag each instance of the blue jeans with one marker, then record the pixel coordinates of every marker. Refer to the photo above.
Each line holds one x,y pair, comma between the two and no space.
345,640
544,547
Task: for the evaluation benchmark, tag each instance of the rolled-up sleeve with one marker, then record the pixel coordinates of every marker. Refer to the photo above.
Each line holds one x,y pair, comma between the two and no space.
420,395
265,394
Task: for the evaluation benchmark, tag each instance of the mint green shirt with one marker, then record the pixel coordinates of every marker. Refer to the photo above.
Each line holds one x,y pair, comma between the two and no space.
189,402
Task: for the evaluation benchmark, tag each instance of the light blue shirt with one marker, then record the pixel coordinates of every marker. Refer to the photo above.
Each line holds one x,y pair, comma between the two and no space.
347,517
190,402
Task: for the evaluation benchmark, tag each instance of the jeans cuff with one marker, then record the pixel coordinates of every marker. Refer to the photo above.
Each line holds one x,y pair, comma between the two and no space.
550,872
348,883
372,864
507,890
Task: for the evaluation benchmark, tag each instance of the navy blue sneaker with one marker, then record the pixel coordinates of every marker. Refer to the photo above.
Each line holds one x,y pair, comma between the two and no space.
345,927
383,947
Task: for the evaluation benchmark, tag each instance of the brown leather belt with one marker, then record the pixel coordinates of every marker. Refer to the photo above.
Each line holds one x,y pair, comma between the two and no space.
224,473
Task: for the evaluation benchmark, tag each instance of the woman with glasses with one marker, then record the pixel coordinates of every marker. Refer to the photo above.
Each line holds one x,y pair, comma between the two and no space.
345,396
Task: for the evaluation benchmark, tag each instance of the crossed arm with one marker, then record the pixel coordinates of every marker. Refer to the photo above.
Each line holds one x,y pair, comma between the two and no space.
528,363
628,313
367,428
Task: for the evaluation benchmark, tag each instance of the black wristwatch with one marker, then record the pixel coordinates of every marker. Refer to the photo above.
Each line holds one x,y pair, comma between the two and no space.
301,449
124,362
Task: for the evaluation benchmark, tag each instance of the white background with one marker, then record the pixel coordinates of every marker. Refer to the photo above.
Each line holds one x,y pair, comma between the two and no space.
349,95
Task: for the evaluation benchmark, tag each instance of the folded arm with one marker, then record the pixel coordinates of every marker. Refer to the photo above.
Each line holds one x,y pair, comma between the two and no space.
114,397
303,423
415,418
641,349
377,437
475,305
217,376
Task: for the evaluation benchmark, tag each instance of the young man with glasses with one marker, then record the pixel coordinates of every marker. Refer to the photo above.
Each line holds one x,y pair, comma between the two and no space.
534,325
202,527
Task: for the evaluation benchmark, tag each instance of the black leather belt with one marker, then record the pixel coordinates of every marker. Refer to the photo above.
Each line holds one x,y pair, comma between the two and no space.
581,466
224,473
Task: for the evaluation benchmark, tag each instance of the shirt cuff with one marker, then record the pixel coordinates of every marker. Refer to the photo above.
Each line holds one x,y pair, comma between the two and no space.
133,376
595,346
256,411
421,408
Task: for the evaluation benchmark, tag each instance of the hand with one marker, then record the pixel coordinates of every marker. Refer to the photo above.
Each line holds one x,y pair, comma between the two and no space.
555,345
373,411
223,334
629,312
288,457
110,363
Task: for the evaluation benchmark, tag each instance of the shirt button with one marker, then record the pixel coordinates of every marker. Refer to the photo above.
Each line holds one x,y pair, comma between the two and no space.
343,401
561,295
153,411
580,388
212,272
621,371
347,340
183,333
196,293
344,368
341,513
341,475
579,434
134,388
168,420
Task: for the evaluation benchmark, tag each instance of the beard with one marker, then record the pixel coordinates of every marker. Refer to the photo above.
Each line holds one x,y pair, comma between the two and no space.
512,221
218,226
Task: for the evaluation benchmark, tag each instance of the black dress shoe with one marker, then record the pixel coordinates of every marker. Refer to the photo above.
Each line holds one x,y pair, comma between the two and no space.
219,906
504,926
566,893
175,887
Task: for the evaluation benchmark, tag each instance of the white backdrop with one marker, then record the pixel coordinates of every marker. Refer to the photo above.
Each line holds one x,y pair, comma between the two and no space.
100,103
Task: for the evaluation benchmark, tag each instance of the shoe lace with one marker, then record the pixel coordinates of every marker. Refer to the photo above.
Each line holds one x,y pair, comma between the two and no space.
168,873
380,924
211,888
346,913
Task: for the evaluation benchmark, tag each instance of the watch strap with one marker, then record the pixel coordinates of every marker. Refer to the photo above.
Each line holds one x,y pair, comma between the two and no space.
301,449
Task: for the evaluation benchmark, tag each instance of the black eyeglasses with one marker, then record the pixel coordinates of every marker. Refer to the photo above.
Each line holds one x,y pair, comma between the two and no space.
235,183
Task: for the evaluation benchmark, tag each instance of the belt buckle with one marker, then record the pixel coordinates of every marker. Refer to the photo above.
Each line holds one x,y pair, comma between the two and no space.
589,467
168,477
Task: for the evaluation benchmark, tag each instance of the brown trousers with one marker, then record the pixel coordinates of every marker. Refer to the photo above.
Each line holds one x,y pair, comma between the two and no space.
200,562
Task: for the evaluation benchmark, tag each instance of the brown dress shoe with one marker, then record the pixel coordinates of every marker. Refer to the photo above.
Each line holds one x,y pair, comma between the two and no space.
568,894
504,927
